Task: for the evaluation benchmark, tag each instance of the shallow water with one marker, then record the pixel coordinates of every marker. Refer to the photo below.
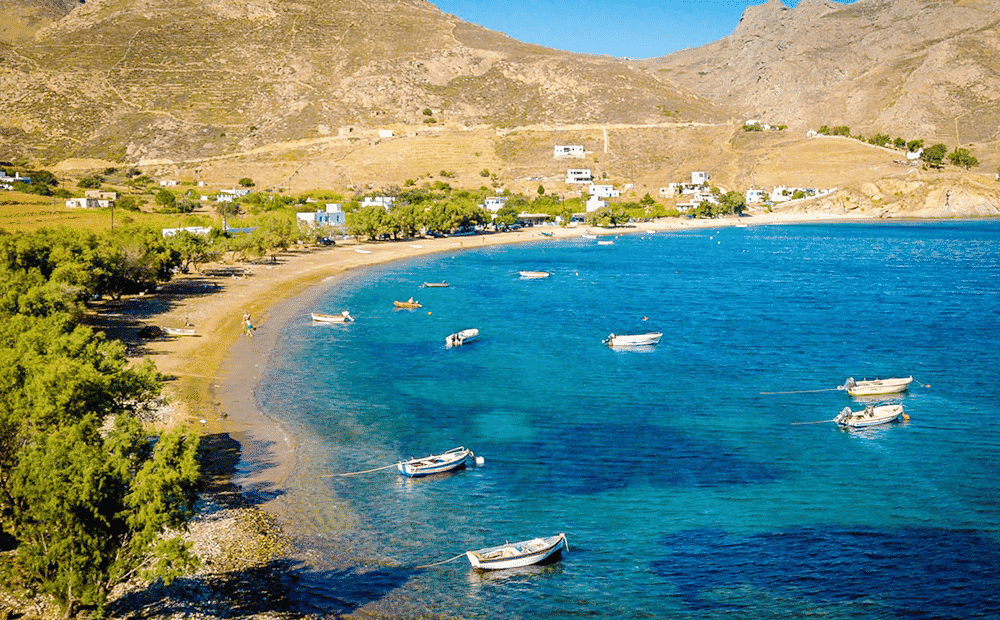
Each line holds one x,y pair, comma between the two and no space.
683,490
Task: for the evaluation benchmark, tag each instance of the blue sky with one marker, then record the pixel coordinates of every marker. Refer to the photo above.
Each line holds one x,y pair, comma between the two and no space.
641,29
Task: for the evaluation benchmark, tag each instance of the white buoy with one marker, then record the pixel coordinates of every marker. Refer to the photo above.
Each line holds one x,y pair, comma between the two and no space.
480,460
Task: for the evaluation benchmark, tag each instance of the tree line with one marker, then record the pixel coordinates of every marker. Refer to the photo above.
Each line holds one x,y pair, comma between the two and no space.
87,491
933,155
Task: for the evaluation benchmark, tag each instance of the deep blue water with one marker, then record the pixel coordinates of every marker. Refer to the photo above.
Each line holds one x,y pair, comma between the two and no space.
684,491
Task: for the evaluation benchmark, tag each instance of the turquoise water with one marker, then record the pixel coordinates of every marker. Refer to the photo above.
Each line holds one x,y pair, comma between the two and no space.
683,490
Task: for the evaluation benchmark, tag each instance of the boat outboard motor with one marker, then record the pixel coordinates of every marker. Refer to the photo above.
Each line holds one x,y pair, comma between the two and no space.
845,413
847,384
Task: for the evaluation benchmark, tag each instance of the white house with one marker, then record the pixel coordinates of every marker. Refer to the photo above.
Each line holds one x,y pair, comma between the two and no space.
604,191
333,216
579,175
194,230
700,178
169,183
384,133
493,203
83,203
668,192
567,151
17,178
595,203
755,195
378,201
236,191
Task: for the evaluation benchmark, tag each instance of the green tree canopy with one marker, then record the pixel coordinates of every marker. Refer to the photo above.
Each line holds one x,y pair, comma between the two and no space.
934,155
962,157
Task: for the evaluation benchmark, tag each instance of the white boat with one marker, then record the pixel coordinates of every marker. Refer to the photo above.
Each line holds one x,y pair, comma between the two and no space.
343,317
179,331
636,340
360,251
534,274
589,236
459,338
441,284
435,464
876,386
869,416
514,555
605,242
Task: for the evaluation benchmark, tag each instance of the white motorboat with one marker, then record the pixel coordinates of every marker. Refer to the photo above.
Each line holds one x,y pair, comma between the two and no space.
636,340
876,387
870,416
459,338
343,317
514,555
533,275
179,331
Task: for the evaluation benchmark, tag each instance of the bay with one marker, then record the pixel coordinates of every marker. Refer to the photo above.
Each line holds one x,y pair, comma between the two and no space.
684,489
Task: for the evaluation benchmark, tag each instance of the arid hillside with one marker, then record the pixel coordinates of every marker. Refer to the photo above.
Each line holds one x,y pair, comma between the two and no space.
927,69
142,80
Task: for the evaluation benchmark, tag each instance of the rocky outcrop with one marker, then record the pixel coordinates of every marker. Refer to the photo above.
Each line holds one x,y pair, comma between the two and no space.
915,68
894,198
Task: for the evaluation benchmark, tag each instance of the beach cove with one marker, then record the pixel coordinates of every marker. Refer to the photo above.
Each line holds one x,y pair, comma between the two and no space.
269,452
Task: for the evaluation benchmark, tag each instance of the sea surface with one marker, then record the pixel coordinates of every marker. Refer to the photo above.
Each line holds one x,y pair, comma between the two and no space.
683,475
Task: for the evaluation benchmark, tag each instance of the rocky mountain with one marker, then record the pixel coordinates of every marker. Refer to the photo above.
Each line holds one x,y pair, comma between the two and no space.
913,68
133,80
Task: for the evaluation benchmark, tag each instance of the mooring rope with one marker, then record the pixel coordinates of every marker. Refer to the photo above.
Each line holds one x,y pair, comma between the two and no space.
358,473
441,562
818,422
804,391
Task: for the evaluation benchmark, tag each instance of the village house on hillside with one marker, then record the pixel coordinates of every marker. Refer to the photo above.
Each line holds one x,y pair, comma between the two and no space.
604,191
579,175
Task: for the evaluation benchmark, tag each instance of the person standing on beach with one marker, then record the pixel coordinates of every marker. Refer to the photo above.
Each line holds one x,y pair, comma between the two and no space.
248,324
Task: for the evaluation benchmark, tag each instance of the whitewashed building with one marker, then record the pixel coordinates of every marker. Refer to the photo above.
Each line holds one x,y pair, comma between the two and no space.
566,151
385,202
755,195
595,203
494,203
194,230
83,203
700,178
333,216
579,175
604,191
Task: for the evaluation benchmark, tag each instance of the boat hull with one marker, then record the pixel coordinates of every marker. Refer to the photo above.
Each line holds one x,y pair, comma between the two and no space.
459,338
533,275
319,317
638,340
435,464
877,387
407,304
876,416
516,555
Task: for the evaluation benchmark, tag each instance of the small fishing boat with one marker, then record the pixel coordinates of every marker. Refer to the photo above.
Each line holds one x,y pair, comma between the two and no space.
179,331
605,242
459,338
870,416
588,236
514,555
532,275
435,464
636,340
441,284
410,303
343,317
545,234
876,387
